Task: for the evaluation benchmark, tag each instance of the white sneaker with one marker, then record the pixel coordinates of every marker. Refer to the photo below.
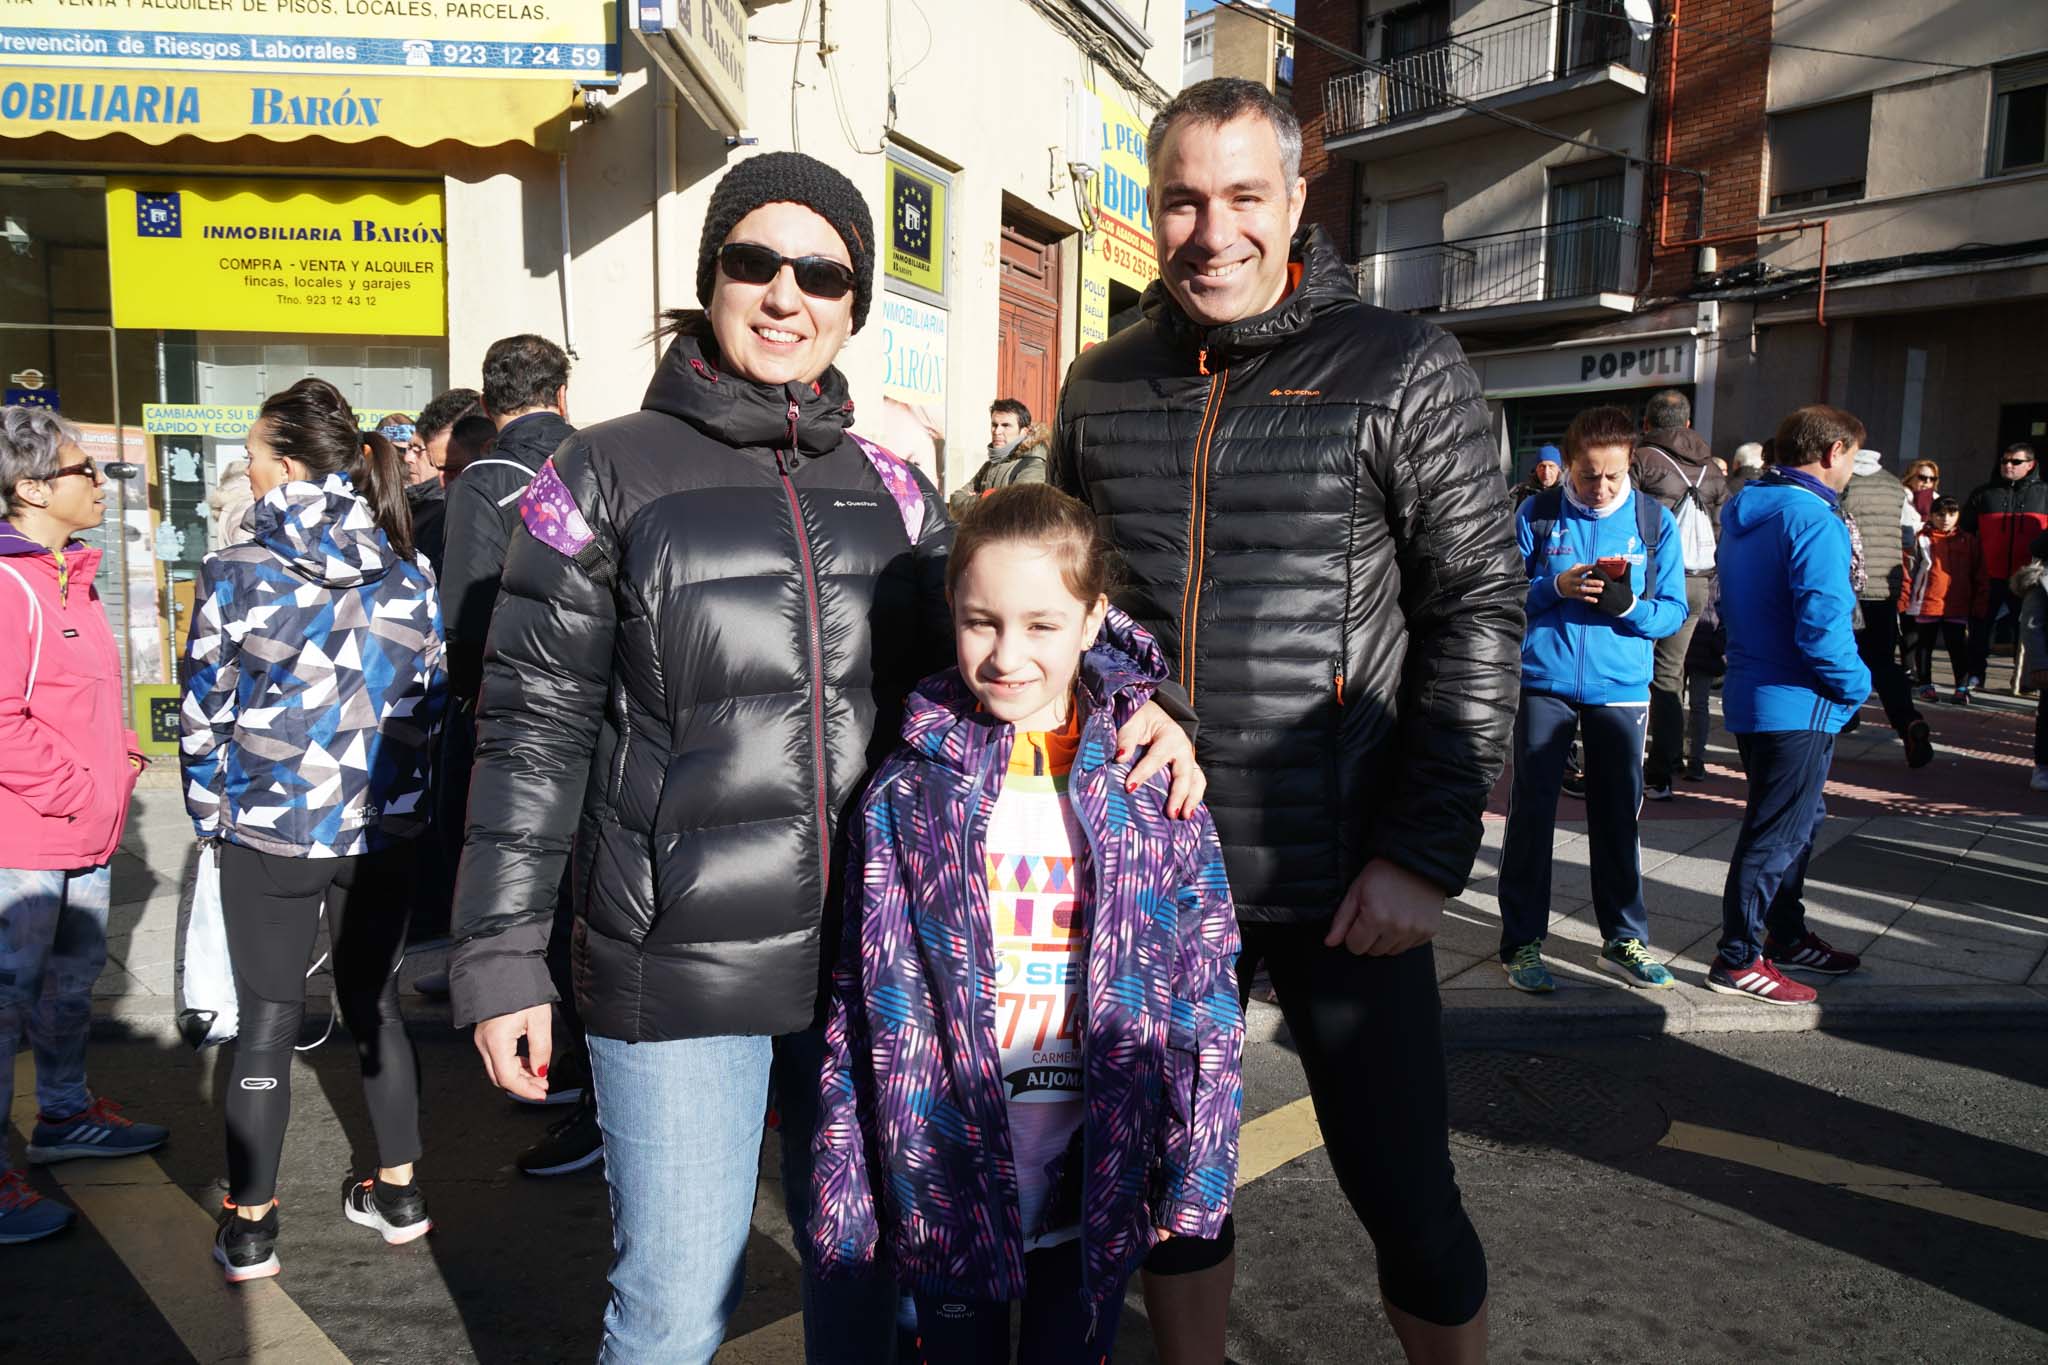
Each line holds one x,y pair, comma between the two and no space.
2040,782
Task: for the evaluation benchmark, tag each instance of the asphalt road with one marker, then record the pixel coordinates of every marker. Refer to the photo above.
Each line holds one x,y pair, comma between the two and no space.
1871,1197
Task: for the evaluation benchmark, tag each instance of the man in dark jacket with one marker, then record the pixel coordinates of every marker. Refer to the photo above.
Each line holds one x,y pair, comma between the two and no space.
526,392
2005,515
526,395
1308,504
1674,465
425,455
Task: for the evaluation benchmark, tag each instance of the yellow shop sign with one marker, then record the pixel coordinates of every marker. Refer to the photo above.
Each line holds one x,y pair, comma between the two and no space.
326,256
576,40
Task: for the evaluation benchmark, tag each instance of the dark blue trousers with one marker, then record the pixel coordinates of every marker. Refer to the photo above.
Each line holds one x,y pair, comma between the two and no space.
1614,796
1788,775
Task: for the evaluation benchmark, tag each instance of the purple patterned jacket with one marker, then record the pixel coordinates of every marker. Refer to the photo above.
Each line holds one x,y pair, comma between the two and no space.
912,1158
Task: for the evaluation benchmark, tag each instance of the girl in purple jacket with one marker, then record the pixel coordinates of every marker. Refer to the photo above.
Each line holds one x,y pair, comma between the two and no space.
1031,1073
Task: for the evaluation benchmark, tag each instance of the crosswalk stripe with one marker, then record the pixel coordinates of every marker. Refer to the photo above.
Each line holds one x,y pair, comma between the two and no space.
162,1238
1877,1182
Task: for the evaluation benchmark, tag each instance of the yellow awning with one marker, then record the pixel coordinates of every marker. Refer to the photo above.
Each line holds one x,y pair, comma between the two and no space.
158,106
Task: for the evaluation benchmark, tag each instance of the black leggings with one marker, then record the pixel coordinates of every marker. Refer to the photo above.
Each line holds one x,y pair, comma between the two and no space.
271,905
1953,634
1370,1034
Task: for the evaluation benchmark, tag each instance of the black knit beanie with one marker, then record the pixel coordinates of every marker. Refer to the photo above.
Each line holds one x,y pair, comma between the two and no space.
791,178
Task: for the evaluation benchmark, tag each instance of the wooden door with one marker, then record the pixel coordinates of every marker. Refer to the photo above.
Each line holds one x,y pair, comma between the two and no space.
1028,322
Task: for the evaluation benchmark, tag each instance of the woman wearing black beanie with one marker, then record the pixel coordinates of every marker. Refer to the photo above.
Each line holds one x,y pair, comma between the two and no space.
710,619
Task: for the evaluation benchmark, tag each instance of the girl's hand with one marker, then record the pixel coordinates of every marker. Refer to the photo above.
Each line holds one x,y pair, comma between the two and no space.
1166,745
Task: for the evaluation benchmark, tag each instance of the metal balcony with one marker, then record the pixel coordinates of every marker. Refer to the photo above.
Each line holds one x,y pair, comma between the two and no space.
1557,61
1579,269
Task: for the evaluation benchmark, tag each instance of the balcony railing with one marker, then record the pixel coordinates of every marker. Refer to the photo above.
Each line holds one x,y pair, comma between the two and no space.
1481,63
1533,265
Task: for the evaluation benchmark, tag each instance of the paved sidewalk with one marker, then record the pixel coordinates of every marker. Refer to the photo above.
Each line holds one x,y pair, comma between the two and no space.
1938,877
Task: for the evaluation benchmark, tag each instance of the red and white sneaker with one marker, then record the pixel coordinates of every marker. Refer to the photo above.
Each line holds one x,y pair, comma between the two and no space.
1811,954
1759,981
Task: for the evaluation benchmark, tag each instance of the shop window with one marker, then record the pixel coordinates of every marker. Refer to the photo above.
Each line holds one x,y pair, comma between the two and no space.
2019,122
1819,156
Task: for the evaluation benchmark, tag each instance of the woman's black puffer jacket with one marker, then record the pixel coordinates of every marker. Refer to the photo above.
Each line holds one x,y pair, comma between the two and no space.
1311,510
711,615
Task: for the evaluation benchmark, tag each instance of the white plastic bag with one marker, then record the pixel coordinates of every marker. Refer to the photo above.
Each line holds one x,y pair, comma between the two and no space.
207,1013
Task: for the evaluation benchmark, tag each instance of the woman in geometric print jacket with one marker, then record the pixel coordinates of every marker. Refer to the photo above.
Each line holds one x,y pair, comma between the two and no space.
314,692
913,1150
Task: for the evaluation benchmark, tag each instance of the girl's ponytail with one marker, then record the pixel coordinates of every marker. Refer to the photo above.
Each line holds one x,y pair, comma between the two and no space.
378,472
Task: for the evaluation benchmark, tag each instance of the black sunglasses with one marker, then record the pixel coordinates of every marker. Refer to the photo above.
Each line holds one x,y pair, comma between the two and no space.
819,276
89,469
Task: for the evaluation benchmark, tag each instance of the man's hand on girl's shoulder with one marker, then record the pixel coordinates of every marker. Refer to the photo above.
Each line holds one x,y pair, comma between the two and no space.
1166,746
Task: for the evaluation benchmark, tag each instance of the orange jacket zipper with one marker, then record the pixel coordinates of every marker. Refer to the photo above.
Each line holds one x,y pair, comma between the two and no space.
1198,517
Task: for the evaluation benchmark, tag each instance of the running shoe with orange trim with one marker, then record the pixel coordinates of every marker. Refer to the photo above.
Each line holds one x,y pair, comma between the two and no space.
246,1248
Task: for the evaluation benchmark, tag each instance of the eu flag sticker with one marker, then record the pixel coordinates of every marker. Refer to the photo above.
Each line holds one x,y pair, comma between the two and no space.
157,215
913,225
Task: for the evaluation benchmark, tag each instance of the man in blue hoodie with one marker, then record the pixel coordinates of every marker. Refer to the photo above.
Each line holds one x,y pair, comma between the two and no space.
1794,679
1606,582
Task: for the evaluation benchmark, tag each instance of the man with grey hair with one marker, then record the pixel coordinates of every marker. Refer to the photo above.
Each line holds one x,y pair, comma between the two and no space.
1304,492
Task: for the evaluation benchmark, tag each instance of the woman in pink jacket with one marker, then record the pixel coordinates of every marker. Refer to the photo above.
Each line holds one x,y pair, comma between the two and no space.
67,766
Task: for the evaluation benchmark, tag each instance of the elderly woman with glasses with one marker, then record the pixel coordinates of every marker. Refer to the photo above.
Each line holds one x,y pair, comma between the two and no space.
712,612
68,763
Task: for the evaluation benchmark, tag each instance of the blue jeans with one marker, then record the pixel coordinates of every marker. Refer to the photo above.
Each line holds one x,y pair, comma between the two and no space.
1766,888
682,1126
53,943
1544,726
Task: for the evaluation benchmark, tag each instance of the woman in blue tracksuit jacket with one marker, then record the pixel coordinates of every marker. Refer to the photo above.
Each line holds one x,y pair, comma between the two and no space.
1586,664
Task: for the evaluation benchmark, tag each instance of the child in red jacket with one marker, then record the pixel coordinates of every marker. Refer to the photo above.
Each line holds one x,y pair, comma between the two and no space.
1944,588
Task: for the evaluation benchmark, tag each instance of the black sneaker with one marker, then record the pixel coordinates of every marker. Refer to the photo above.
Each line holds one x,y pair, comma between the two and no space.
1694,772
1919,744
1574,784
570,1145
397,1212
246,1247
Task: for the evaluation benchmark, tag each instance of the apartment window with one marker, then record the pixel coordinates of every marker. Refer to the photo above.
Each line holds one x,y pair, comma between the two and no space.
2019,120
1200,43
1818,156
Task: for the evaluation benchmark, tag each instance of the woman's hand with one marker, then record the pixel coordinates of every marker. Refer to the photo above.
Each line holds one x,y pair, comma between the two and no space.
1583,582
498,1040
1166,745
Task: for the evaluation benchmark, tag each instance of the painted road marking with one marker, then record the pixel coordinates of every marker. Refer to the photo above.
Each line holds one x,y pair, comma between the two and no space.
1878,1182
1275,1138
162,1236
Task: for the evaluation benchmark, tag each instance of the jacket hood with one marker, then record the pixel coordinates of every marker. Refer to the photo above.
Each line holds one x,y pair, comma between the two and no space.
942,718
1326,283
15,541
2029,578
324,531
232,488
1683,444
692,384
1869,462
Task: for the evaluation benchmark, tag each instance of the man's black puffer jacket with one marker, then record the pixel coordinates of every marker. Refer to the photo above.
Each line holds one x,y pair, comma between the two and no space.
1312,516
694,697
